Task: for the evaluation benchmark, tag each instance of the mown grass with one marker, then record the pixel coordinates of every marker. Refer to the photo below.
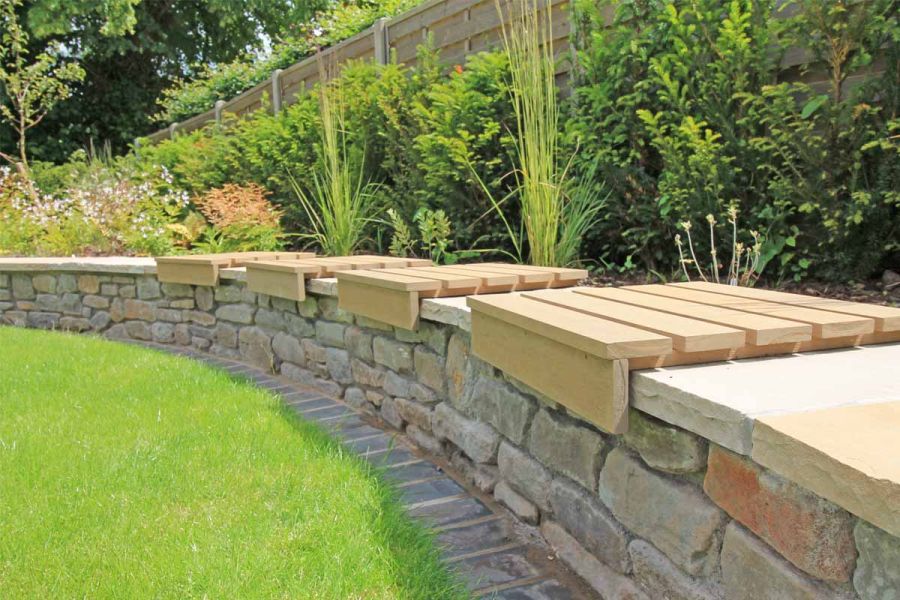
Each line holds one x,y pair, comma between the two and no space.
128,473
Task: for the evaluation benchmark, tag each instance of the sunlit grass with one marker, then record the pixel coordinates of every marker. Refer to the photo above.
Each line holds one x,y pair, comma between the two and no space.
128,473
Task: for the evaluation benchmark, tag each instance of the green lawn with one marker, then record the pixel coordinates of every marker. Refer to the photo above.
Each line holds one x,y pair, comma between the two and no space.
128,473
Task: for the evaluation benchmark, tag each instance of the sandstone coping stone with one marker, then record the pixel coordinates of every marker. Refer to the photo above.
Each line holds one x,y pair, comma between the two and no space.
330,333
568,447
525,474
878,569
751,570
429,368
256,346
45,284
518,504
236,313
366,375
450,311
672,514
148,288
288,348
721,401
394,355
660,578
415,413
608,583
588,521
359,343
338,363
479,441
812,533
663,446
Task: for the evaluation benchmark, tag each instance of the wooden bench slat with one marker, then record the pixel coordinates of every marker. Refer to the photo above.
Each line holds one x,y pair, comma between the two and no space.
825,324
524,275
761,330
596,336
378,278
562,274
688,335
489,278
886,318
450,281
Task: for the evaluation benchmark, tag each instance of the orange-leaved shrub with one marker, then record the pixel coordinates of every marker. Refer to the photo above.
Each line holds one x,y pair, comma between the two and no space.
234,204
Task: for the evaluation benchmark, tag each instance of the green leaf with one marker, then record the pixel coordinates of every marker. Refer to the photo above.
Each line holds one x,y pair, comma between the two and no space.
813,105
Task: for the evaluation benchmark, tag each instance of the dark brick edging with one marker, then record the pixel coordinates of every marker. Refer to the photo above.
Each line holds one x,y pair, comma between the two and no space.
493,553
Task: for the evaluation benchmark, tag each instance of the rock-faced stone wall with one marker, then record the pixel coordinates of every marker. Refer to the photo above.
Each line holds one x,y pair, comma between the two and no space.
657,513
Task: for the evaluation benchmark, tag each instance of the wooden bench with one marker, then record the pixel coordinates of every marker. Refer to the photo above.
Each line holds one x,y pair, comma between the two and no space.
203,269
392,296
577,345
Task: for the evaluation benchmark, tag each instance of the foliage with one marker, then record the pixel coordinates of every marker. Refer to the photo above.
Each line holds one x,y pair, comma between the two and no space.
340,203
241,217
677,104
28,88
744,267
434,239
201,485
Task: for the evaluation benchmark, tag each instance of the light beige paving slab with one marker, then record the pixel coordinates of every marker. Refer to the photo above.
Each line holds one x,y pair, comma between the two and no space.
849,455
721,401
132,265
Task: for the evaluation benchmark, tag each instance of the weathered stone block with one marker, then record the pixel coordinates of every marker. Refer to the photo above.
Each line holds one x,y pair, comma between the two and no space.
48,302
299,327
22,287
284,305
364,374
330,334
390,414
374,397
517,503
100,320
672,514
138,330
308,378
396,385
5,295
585,518
76,324
127,291
44,284
751,570
116,332
198,331
811,532
415,413
359,343
4,281
494,402
609,584
288,348
525,474
328,306
109,289
67,282
567,446
256,346
429,367
71,303
338,363
315,353
424,440
226,335
478,440
148,288
16,318
204,297
183,304
164,333
236,313
660,578
356,398
664,446
482,476
183,335
393,354
139,309
457,363
270,319
169,315
308,308
42,320
177,290
878,569
228,293
422,393
200,318
92,301
200,343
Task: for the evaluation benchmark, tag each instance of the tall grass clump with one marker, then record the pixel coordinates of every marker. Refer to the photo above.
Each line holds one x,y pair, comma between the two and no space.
341,202
557,208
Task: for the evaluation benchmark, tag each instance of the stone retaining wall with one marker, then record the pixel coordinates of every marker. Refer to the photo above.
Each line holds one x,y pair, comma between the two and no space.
658,512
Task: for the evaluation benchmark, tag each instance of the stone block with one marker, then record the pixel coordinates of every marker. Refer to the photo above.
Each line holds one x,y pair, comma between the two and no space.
177,290
878,568
328,306
226,335
299,327
48,302
200,343
567,446
482,476
228,293
751,570
76,324
288,348
374,397
44,284
67,282
236,313
198,331
116,332
364,374
138,330
525,474
183,335
660,578
100,320
16,318
424,440
92,301
5,295
356,398
456,366
140,310
4,281
330,334
672,514
270,319
478,440
183,304
148,288
811,532
663,446
422,393
368,323
393,354
109,289
308,308
22,288
338,363
256,346
494,402
42,320
200,318
204,297
71,304
583,515
284,305
419,415
390,413
308,378
396,385
517,503
169,315
89,284
163,333
429,367
315,353
609,584
127,291
359,343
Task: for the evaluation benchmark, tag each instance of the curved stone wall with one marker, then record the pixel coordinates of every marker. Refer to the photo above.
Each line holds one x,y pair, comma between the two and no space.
658,512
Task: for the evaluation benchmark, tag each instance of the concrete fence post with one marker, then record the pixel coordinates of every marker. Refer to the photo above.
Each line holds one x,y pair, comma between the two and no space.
276,91
217,111
172,129
137,147
382,44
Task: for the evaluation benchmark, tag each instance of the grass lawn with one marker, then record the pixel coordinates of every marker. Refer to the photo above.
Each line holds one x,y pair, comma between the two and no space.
128,473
